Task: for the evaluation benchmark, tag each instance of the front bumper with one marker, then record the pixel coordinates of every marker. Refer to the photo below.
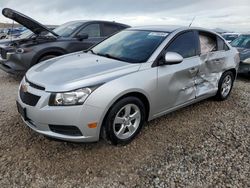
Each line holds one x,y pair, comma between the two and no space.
41,116
244,68
12,64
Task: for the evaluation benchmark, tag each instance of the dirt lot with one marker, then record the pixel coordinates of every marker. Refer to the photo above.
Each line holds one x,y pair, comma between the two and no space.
204,145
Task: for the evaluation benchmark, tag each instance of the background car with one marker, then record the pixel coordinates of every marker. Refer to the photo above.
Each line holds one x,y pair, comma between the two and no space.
230,36
70,37
134,76
243,45
3,33
15,32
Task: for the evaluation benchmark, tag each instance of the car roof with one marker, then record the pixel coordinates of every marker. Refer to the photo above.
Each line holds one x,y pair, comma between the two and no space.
103,21
169,28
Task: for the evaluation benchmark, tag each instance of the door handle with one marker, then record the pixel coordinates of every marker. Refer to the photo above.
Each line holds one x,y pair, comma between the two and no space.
193,70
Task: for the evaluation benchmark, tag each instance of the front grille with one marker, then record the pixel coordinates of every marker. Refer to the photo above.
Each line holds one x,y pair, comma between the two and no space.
65,130
28,98
34,85
3,53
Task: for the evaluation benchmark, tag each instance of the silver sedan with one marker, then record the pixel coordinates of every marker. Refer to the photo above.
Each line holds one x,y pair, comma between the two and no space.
134,76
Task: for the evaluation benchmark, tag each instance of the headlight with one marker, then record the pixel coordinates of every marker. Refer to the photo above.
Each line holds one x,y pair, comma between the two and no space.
76,97
247,61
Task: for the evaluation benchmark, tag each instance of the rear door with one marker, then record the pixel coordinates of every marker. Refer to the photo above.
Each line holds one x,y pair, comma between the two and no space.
176,83
109,29
213,57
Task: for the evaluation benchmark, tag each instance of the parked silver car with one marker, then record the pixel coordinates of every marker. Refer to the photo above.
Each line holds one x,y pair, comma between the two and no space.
134,76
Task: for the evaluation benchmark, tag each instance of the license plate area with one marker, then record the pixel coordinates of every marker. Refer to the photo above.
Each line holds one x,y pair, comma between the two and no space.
22,111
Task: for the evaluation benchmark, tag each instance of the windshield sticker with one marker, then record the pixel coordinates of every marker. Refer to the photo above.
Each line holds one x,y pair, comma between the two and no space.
158,34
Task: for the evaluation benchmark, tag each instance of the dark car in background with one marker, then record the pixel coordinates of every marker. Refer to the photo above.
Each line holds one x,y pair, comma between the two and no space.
229,37
68,38
243,45
3,33
15,32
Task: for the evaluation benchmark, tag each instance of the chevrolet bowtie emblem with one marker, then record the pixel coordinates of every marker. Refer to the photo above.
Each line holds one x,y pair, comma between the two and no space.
24,87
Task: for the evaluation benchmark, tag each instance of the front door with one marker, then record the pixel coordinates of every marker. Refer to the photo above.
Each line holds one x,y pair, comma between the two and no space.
176,83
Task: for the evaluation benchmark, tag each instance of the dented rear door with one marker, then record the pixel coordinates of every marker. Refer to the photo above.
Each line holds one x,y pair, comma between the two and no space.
213,62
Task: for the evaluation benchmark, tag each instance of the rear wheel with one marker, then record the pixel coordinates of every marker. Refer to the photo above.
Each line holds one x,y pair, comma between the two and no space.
225,86
124,121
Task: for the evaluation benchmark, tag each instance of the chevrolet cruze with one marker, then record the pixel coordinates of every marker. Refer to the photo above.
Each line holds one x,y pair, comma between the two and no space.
134,76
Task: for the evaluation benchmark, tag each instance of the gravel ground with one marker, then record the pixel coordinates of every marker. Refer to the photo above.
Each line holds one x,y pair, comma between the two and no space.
203,145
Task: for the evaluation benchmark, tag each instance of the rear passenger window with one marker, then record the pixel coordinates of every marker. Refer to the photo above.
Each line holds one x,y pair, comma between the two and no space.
185,44
93,30
208,42
109,29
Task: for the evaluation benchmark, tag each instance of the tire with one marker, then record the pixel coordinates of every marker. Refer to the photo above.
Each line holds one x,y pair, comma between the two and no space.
225,86
127,127
46,58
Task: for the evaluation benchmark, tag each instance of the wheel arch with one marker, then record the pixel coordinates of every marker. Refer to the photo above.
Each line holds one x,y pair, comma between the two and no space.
138,94
51,51
233,70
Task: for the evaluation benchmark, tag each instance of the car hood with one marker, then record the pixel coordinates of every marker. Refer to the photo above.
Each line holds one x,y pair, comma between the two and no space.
244,53
26,21
70,72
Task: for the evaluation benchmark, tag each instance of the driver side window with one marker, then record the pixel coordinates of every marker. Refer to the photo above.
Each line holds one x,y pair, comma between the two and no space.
93,30
185,45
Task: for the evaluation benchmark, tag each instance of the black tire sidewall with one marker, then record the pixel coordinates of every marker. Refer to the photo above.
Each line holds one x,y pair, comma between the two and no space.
219,95
46,58
108,124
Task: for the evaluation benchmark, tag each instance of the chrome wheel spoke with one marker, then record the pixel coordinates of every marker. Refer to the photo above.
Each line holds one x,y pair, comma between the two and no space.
119,120
121,130
127,110
135,115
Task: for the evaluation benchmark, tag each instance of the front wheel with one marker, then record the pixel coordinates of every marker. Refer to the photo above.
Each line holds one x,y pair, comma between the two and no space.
44,58
124,121
225,86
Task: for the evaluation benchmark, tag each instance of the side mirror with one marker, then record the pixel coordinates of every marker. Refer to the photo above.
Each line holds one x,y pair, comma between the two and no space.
172,58
82,36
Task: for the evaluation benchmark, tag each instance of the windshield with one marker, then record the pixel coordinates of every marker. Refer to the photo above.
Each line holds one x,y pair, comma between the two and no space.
242,42
230,37
26,34
130,46
67,29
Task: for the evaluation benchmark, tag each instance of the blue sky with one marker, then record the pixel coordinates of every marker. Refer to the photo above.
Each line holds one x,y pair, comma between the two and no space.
226,14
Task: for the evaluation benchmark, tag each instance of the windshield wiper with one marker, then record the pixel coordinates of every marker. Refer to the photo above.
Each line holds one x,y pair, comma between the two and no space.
110,56
91,51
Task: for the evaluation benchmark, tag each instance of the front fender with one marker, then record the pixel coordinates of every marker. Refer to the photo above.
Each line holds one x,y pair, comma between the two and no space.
144,82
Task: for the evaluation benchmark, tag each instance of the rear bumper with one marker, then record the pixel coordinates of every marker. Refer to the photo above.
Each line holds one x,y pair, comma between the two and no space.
12,64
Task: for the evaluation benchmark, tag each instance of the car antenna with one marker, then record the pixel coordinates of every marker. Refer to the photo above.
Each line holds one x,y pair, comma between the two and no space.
192,21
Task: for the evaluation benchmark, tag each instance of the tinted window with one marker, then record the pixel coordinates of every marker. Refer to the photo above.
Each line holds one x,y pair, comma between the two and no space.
93,30
130,46
109,29
184,44
230,37
242,42
67,29
208,42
